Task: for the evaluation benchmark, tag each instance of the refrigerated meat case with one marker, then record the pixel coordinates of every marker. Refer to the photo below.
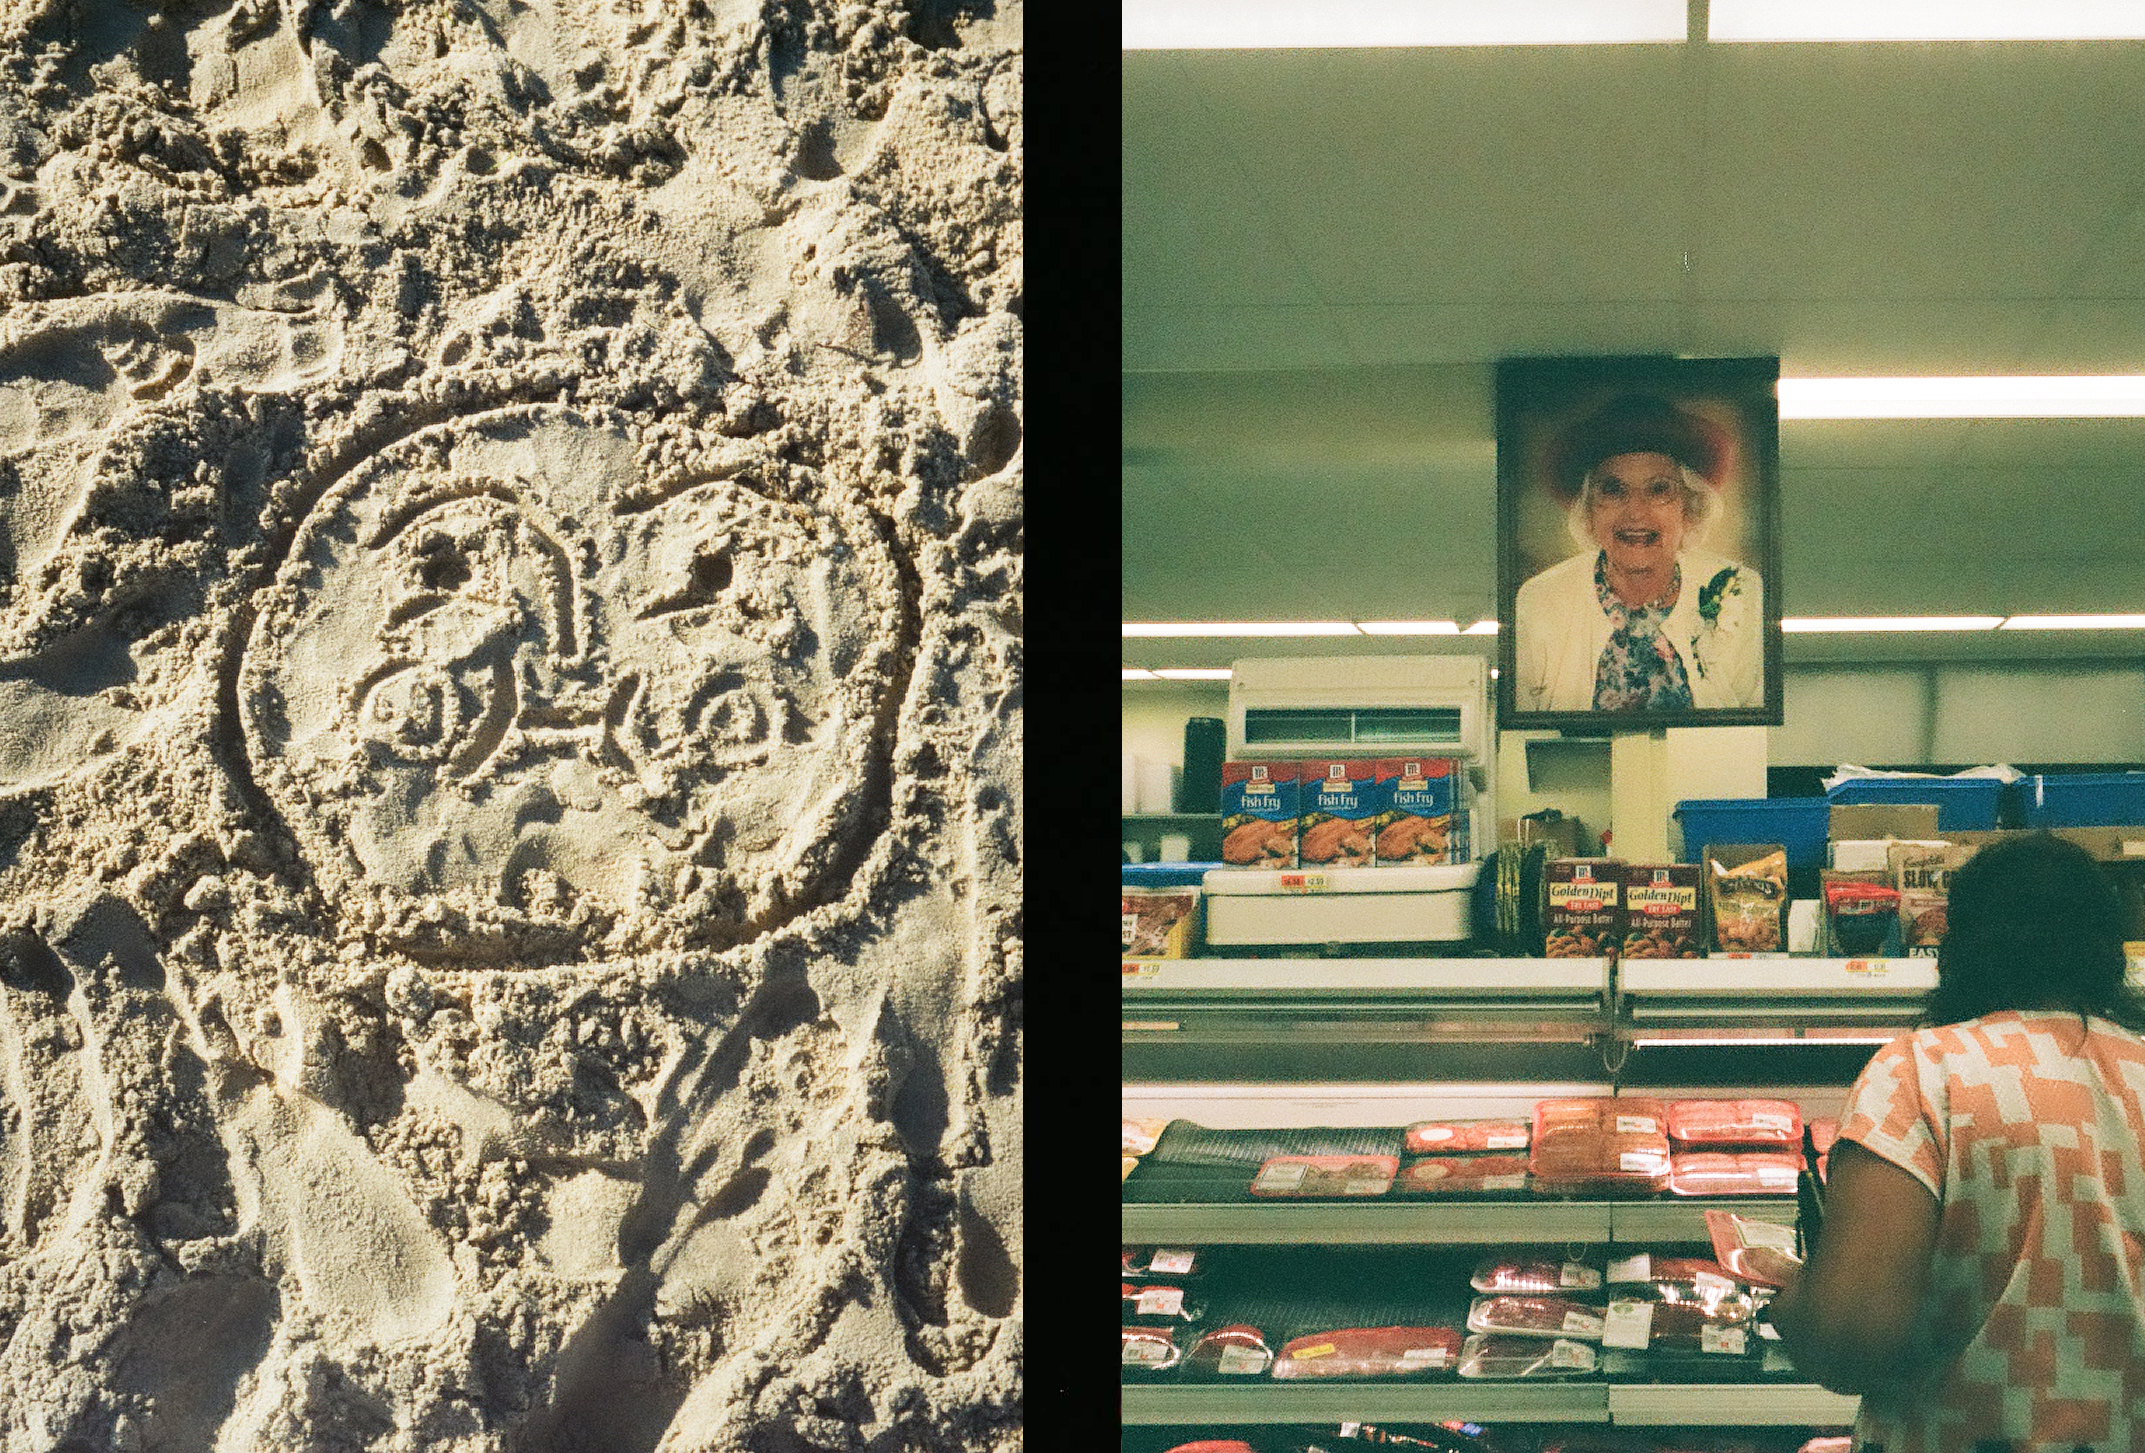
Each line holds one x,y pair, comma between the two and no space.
1243,1043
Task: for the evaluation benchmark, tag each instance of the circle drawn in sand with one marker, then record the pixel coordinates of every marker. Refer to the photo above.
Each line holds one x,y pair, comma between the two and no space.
501,668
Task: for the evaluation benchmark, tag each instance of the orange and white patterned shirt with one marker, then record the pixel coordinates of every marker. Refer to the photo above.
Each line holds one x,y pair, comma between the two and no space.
2029,1128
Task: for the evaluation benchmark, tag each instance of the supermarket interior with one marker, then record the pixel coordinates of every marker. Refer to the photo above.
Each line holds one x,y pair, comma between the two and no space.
1477,1053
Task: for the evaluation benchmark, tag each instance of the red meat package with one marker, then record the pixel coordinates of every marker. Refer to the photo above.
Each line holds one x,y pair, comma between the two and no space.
1462,1175
1692,1271
1534,1276
1536,1317
1466,1137
1369,1352
1214,1445
1600,1143
1326,1175
1237,1350
1735,1122
1734,1172
1721,1328
1174,1262
1148,1349
1488,1355
1148,1305
1763,1252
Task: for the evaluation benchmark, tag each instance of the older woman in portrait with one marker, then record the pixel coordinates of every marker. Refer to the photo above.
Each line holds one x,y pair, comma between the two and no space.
1642,619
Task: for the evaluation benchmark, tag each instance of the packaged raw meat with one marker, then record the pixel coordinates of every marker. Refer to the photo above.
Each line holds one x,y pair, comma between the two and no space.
1153,1304
1237,1350
1160,923
1652,1324
1734,1172
1462,1175
1829,1443
1326,1175
1148,1349
1489,1355
1534,1276
1600,1144
1735,1122
1369,1352
1644,1266
1214,1445
1467,1137
1171,1262
1138,1136
1536,1317
1762,1252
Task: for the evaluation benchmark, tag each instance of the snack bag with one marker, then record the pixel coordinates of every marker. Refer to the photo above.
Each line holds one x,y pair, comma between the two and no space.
1922,874
1749,901
1860,914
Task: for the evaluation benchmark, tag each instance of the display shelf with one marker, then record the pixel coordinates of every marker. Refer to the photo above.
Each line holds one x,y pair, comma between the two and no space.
1216,995
1730,1405
1755,994
1276,1402
1638,1222
1341,1223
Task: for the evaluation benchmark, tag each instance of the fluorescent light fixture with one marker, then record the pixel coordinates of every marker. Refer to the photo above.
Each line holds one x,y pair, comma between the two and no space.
1737,20
1267,24
1135,673
1239,628
2075,623
1892,623
1409,628
2043,396
1193,673
1481,628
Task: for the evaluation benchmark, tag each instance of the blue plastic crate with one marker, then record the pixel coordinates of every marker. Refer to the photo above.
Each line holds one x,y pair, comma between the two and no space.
2083,799
1799,824
1165,875
1963,804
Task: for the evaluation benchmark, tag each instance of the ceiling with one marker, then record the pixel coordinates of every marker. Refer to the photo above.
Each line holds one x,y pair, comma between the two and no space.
1324,252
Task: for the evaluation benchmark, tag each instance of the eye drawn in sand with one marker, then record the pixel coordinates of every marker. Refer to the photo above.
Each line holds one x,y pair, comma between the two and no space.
503,668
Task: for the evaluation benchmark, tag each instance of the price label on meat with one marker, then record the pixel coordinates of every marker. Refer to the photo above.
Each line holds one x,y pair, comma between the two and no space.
1160,1302
1575,1355
1242,1361
1730,1341
1629,1324
1417,1359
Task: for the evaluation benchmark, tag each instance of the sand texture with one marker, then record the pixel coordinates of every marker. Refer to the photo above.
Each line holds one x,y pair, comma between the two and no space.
510,710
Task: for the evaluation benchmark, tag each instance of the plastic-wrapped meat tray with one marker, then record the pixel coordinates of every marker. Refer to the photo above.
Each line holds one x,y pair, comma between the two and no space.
1326,1175
1145,1350
1369,1352
1187,1143
1487,1355
1173,1263
1735,1122
1536,1317
1462,1175
1158,1304
1534,1276
1467,1137
1734,1172
1615,1145
1235,1351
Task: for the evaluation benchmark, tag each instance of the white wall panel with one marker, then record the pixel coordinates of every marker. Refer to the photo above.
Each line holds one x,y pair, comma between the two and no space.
1860,715
2050,714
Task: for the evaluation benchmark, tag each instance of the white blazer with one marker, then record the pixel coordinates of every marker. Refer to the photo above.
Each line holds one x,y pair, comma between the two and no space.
1559,631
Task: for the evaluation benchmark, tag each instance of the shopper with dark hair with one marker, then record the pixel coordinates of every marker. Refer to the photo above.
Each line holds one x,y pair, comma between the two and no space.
1980,1277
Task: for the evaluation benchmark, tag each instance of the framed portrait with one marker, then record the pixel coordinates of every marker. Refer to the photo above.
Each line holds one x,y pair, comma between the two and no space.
1638,537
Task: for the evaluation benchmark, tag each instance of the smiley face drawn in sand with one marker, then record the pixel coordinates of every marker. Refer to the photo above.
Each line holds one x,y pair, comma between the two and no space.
503,669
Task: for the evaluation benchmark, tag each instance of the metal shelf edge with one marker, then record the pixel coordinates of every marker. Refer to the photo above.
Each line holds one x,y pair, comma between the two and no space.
1270,1402
1730,1405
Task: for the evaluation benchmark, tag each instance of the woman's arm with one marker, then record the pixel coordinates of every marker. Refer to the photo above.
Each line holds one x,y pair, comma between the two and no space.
1849,1318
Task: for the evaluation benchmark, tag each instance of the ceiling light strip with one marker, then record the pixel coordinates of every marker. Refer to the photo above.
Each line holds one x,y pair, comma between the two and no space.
1316,24
1890,623
2033,396
1850,20
2076,623
1161,629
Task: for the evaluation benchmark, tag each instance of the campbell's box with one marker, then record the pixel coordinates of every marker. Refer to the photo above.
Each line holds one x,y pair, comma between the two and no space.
1425,816
1261,808
1661,910
1583,914
1341,808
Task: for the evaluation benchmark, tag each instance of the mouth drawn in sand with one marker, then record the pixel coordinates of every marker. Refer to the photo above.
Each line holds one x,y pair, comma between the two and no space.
504,671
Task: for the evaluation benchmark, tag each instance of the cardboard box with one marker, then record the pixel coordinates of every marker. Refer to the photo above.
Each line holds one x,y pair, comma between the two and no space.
1424,818
1559,834
1861,821
1874,855
1583,915
1341,807
1161,923
1261,811
1661,912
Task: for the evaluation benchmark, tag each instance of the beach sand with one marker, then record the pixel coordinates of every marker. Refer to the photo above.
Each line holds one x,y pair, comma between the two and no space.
510,716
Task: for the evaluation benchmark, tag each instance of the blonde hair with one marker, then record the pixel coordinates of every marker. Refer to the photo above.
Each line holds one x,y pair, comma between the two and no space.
1700,504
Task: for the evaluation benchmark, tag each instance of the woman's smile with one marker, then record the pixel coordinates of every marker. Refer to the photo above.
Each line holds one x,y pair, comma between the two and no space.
1638,522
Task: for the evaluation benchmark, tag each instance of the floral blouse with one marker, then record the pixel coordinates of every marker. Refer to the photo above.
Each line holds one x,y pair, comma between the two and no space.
1639,669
